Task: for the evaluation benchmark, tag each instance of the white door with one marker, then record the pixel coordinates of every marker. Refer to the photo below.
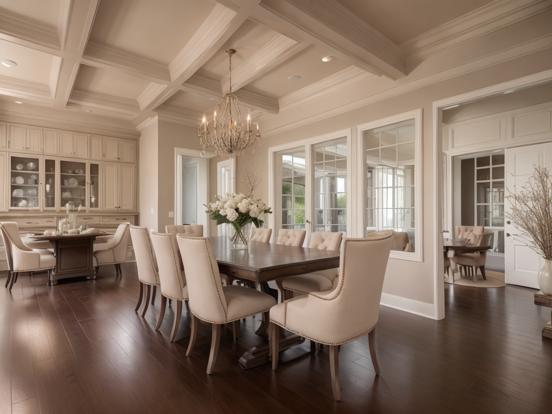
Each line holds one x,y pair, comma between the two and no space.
226,183
521,262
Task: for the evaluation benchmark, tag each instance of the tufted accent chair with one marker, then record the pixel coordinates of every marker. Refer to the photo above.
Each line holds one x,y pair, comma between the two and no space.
146,264
317,281
260,235
472,234
209,300
171,277
114,250
347,312
291,237
471,262
21,258
194,230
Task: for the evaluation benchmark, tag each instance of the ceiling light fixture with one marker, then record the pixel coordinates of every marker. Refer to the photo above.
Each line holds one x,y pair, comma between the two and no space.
8,63
327,59
18,102
226,132
295,77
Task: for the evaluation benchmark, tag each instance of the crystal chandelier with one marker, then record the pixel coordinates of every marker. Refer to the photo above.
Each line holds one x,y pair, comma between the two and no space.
226,133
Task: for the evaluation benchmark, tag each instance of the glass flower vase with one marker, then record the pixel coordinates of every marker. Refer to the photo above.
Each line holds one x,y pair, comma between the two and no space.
239,236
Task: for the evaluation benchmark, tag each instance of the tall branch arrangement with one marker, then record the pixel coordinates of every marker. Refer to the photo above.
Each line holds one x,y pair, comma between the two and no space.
531,211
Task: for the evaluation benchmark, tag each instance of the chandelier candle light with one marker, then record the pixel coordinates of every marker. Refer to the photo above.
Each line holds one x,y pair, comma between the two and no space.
226,133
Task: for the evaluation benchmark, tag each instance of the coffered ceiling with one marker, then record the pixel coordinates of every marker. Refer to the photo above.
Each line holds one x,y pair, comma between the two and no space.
128,59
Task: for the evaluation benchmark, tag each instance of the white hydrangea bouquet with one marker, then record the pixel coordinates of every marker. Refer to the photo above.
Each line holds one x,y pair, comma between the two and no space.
238,210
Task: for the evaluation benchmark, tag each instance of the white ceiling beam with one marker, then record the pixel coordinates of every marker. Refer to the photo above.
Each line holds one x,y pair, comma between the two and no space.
276,51
108,57
216,29
100,101
204,86
333,26
26,90
28,32
79,25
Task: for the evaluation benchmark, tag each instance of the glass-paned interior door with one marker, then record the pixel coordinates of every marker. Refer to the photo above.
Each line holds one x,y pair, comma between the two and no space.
50,178
73,183
330,185
24,172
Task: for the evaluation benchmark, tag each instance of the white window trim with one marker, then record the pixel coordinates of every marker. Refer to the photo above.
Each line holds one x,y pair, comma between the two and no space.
231,164
416,256
307,145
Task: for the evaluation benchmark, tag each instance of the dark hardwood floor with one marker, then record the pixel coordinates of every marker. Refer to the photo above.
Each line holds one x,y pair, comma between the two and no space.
79,347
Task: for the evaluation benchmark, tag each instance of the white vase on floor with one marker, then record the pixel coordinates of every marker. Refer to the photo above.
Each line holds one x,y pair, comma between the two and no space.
545,277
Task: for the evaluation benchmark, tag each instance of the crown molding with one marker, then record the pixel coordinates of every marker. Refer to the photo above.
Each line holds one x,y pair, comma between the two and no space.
147,122
486,19
407,86
323,86
112,58
68,119
28,32
178,115
23,89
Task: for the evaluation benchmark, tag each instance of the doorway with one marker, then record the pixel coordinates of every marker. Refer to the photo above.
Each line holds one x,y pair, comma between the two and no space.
226,183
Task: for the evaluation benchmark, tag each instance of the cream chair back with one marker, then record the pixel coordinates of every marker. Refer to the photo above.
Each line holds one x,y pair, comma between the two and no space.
7,247
121,239
193,230
11,229
291,237
325,240
145,258
260,235
171,277
472,234
206,296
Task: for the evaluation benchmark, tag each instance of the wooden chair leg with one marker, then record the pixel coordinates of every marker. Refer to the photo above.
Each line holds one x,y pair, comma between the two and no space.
274,345
8,277
146,305
334,370
161,312
215,344
193,334
176,322
140,297
13,280
372,346
153,292
482,269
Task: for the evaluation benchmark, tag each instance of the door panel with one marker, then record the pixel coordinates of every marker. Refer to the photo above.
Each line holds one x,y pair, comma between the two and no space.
521,261
80,145
66,144
110,185
127,151
110,149
17,136
34,139
3,136
51,142
95,147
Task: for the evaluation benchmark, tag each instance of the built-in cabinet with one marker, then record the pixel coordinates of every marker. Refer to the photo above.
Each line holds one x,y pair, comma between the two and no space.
119,186
119,150
24,138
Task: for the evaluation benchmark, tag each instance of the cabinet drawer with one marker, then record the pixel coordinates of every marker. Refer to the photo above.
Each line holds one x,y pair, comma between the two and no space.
36,222
117,219
89,219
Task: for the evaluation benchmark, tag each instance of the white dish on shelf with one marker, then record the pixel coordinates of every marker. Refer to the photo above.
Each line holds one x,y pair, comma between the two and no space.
72,182
22,203
19,180
18,192
19,166
31,165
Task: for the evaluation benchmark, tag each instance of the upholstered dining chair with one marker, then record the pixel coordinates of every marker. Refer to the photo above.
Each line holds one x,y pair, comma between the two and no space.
22,259
209,300
171,277
146,265
260,235
194,230
288,237
316,281
471,234
471,262
348,311
114,250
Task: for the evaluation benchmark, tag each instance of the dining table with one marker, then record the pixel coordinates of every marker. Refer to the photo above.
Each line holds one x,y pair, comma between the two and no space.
260,263
74,254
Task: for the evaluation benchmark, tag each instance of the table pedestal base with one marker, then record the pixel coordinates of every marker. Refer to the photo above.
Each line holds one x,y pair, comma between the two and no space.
289,351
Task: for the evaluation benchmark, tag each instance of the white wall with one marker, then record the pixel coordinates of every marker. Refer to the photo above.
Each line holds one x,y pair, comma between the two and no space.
189,191
148,166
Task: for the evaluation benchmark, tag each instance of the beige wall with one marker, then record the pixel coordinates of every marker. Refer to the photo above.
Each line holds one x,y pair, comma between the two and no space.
148,195
410,280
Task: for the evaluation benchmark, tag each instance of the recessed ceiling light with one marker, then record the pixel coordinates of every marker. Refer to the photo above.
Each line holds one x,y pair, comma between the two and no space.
295,77
327,59
18,102
8,63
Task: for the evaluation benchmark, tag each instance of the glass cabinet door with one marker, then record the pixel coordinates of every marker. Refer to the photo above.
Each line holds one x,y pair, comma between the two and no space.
24,176
73,183
50,174
93,195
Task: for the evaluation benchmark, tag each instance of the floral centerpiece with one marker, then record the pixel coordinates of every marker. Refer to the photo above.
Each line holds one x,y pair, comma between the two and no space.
69,223
531,211
239,211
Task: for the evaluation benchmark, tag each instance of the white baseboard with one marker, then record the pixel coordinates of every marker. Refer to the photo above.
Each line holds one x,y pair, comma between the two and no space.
416,307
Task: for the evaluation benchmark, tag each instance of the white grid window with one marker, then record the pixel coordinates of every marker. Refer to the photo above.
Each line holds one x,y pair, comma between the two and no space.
293,189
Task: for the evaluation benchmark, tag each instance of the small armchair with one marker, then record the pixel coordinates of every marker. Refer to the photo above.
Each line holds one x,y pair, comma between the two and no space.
146,265
22,259
114,250
209,300
470,262
317,281
348,311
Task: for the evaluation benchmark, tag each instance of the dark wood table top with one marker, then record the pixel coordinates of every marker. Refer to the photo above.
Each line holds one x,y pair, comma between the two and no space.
54,237
262,262
461,246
